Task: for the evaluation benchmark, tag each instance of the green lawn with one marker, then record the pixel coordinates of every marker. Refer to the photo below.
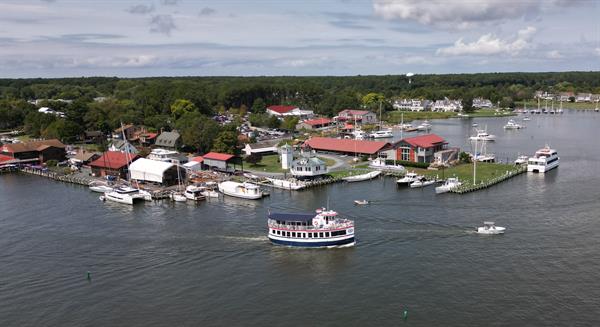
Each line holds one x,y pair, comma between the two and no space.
271,164
464,172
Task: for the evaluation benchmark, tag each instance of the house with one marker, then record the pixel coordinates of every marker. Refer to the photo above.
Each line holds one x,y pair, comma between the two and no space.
412,104
170,140
146,138
46,110
112,163
308,165
159,172
83,157
218,161
419,148
283,111
583,97
315,124
35,152
482,103
93,137
194,164
7,161
565,96
128,130
544,95
119,145
345,146
447,105
362,116
264,147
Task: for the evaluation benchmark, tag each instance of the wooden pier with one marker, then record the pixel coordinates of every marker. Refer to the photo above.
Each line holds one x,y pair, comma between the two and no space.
58,177
483,185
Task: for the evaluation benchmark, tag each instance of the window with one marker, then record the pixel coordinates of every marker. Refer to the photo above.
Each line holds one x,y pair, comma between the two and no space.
405,154
287,234
327,234
293,234
320,234
338,233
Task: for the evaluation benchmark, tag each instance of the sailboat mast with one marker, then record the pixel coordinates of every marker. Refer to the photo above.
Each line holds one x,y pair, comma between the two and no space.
380,118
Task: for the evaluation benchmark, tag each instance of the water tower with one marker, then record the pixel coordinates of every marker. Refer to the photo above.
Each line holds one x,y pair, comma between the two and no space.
409,75
287,156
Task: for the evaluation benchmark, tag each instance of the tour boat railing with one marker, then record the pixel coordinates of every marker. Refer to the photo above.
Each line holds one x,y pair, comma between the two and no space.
330,225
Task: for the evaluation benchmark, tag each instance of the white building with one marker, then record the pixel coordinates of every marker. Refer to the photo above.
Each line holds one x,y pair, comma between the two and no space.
146,170
412,104
287,156
482,103
264,147
308,165
46,110
283,111
447,105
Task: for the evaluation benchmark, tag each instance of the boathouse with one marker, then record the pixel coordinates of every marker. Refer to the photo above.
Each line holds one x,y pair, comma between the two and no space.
112,163
420,148
218,161
360,116
154,171
345,146
35,152
308,165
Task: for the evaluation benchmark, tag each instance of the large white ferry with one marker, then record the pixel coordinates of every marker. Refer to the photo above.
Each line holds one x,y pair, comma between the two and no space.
543,160
323,229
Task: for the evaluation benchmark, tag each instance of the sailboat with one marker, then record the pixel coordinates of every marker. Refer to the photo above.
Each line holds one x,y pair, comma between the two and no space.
178,195
596,110
381,133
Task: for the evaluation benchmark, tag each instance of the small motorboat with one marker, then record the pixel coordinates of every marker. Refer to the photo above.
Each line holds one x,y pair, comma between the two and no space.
521,160
422,182
450,184
361,202
178,197
425,126
475,125
526,118
489,228
99,187
409,178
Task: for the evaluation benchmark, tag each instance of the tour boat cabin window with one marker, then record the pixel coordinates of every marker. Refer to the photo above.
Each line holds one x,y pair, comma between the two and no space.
320,234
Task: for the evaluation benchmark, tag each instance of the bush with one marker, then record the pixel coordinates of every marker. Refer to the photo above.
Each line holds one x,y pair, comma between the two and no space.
464,157
423,165
51,163
254,158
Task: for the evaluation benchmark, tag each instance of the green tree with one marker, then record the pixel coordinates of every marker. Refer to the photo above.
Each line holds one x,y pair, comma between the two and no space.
254,158
289,123
181,107
225,142
372,100
467,104
464,157
197,131
259,106
273,122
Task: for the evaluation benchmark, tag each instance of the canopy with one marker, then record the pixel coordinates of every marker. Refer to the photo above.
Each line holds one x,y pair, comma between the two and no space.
149,170
302,217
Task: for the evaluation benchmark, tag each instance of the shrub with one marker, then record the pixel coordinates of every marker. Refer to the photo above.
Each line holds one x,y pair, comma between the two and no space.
51,163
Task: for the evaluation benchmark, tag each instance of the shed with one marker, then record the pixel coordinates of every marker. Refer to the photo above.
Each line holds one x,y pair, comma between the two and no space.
218,161
146,170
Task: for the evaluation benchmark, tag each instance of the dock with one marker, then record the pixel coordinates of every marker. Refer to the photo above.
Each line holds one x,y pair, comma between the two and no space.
56,176
472,188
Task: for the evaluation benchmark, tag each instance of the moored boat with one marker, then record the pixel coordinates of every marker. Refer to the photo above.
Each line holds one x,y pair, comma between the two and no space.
544,159
380,164
125,195
482,135
381,134
99,187
449,185
362,177
195,193
241,190
324,229
287,184
409,178
421,182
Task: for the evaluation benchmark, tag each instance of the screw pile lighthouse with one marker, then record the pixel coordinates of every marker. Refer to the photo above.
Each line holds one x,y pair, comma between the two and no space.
322,229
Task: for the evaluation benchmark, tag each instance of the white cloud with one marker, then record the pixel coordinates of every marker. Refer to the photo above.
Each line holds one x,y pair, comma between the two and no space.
460,13
489,44
554,54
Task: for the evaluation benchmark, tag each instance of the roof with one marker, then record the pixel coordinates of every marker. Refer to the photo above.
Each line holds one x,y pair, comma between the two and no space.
305,217
32,146
217,156
424,141
167,139
264,144
149,170
7,159
121,129
282,109
353,112
84,155
197,159
345,145
317,121
93,133
113,160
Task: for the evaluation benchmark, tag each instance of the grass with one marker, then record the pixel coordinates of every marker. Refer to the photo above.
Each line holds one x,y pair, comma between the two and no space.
271,164
464,172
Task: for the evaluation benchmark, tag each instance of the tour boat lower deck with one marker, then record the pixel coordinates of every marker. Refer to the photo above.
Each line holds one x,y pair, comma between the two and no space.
321,230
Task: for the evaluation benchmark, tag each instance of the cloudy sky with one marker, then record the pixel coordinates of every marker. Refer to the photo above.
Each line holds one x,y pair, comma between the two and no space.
56,38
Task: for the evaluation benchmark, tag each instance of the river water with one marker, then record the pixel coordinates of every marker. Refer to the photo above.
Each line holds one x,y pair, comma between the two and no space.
211,264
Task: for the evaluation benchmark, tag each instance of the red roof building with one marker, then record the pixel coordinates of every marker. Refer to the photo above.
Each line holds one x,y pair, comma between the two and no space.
346,146
419,148
35,151
7,160
113,163
281,109
317,123
217,156
218,161
362,116
197,159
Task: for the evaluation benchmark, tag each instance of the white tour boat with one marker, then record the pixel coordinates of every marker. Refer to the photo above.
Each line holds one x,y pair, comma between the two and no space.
99,187
382,134
482,135
195,193
321,230
424,126
241,190
450,184
512,125
380,164
409,178
489,228
362,177
125,195
421,182
543,160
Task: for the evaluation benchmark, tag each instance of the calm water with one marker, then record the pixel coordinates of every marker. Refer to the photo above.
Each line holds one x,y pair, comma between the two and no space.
211,264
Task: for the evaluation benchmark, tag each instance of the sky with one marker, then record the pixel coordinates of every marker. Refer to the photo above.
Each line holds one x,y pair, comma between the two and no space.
72,38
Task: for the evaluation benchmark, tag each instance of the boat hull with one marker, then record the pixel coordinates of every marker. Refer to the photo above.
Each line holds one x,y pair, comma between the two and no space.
242,196
123,199
541,168
343,242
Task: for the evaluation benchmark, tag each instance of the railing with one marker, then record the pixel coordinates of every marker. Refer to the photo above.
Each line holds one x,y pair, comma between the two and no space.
338,225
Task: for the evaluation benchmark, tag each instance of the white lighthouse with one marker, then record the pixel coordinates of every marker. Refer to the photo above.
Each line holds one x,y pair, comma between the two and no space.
287,156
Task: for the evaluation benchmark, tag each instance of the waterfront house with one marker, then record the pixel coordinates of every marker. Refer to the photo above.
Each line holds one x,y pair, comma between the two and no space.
35,152
119,145
419,148
282,111
308,165
154,171
112,163
447,105
315,124
218,161
360,116
169,140
345,146
83,157
482,103
264,147
583,97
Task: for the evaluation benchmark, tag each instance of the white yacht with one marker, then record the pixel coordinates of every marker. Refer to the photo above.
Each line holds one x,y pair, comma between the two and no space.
211,190
125,195
489,228
241,190
450,184
380,164
381,134
482,135
99,187
194,193
405,126
512,125
409,178
521,160
424,126
544,159
421,182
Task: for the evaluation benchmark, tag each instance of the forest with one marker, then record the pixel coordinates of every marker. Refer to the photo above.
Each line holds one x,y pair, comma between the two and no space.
190,103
